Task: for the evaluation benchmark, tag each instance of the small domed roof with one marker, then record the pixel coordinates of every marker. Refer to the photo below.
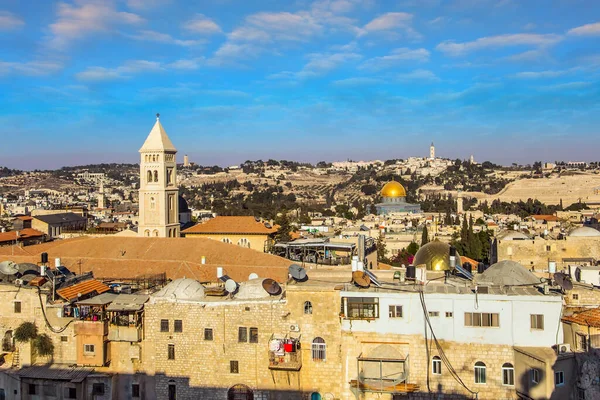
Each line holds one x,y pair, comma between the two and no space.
513,235
584,231
182,289
435,255
252,289
393,189
507,273
183,205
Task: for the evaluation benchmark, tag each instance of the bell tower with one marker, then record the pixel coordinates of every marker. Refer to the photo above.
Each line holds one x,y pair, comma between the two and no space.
159,214
432,151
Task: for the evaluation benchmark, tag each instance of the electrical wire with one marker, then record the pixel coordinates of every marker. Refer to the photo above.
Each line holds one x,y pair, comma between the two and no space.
48,324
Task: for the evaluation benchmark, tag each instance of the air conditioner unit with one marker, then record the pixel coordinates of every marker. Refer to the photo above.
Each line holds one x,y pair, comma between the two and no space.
294,328
19,282
564,348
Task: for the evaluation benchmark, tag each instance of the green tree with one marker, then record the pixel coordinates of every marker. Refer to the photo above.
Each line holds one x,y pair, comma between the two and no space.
25,332
424,236
381,249
284,229
412,248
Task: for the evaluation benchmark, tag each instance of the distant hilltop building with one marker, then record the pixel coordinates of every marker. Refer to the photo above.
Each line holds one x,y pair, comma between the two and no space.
159,203
432,151
394,200
186,161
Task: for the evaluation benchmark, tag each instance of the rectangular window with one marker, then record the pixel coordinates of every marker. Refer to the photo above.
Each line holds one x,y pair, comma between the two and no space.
234,367
135,390
49,390
89,349
17,307
208,334
580,394
480,374
537,321
253,335
395,311
559,378
508,376
362,307
482,319
164,325
575,296
548,248
449,314
436,366
71,393
32,388
172,392
178,325
434,313
98,389
171,352
242,334
582,342
534,375
64,338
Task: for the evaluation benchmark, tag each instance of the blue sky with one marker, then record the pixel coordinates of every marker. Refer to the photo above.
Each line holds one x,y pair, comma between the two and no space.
505,80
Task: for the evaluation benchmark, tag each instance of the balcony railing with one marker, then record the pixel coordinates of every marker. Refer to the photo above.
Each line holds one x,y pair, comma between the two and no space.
286,362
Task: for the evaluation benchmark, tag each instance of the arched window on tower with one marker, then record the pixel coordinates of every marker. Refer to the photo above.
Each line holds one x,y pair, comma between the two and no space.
155,176
147,232
149,176
152,203
307,307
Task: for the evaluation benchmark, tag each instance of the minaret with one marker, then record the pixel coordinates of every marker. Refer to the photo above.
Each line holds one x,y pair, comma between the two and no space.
159,205
432,151
101,198
186,161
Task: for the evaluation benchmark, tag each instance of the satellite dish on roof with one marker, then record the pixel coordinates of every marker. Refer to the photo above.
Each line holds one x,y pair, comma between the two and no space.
271,287
231,286
297,272
252,276
563,280
361,279
8,268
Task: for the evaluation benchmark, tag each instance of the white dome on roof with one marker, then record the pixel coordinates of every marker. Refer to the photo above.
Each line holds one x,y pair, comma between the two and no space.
508,273
513,235
182,289
584,231
252,289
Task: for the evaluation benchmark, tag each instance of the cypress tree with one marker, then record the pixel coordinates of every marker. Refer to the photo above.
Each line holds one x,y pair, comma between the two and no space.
424,236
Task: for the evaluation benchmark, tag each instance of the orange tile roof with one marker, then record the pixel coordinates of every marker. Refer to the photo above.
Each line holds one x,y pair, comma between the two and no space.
464,259
129,257
223,224
81,289
26,233
589,318
25,218
545,217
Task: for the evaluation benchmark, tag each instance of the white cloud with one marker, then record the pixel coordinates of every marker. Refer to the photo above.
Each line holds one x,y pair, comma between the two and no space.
540,74
203,25
392,21
146,4
30,68
85,18
421,75
586,30
566,86
9,21
357,81
530,26
153,36
320,64
529,56
396,57
520,39
186,64
126,70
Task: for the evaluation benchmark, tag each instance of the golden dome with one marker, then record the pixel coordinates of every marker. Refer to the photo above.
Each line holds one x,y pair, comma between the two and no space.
393,189
435,256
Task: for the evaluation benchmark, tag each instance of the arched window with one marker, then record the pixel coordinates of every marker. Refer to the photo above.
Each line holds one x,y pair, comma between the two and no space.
479,372
318,349
315,396
240,392
436,365
155,233
155,176
147,232
243,242
152,203
149,176
226,240
307,307
508,374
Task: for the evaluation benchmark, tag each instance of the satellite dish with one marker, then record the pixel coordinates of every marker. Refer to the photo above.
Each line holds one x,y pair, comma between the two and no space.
230,285
563,280
271,287
252,276
361,279
8,268
298,273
